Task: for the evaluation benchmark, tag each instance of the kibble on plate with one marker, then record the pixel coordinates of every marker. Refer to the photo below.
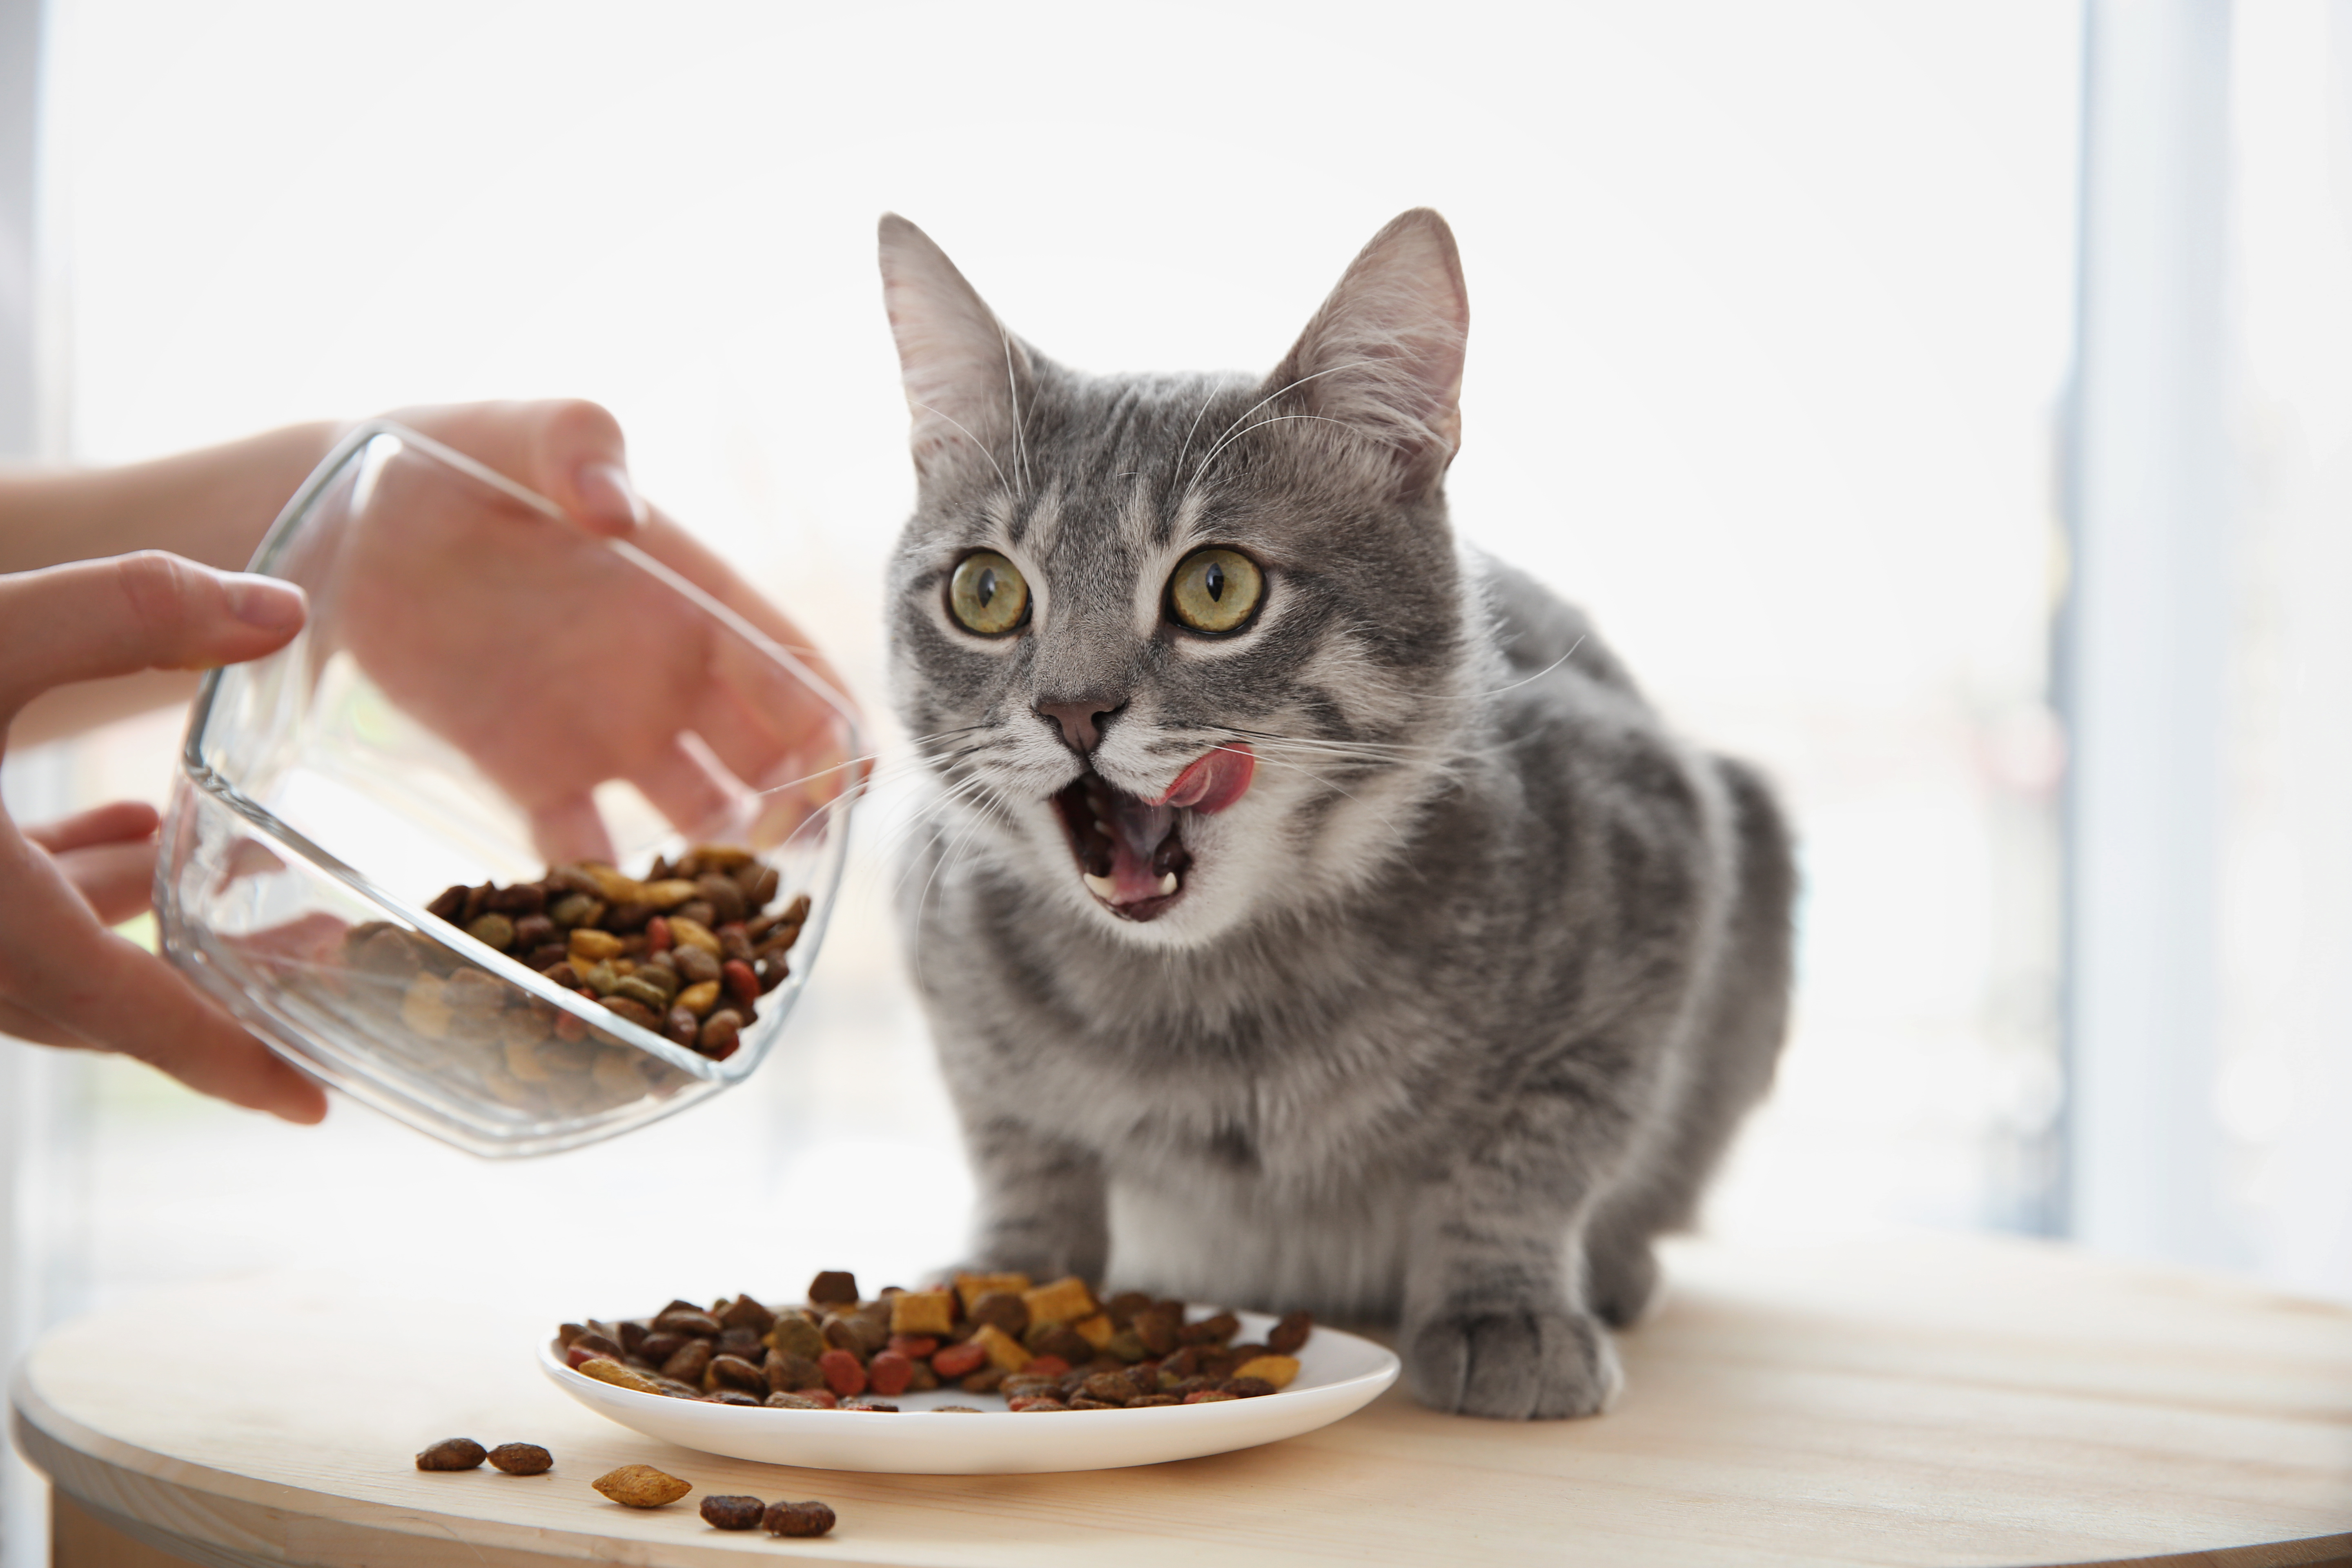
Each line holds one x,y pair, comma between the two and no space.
1052,1347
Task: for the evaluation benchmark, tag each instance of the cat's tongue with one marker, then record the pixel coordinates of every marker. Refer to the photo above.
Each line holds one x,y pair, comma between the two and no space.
1216,780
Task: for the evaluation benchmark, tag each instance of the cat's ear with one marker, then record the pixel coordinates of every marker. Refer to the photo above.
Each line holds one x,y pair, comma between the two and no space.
966,377
1383,355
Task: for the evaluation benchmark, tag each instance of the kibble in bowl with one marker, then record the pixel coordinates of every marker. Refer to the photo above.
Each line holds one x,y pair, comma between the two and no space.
327,811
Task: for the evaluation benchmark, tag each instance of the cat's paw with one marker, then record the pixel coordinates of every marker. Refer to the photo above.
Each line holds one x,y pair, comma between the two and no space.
1540,1363
1621,1283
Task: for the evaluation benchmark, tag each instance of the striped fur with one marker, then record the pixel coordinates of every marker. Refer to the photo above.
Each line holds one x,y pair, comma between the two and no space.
1462,1001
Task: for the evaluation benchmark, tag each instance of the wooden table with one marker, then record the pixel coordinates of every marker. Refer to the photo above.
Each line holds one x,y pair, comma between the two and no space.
1904,1400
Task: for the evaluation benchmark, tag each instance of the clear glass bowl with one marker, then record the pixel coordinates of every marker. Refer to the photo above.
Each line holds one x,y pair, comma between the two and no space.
476,677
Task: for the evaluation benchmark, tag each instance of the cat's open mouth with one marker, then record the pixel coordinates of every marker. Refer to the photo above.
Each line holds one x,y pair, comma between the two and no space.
1130,851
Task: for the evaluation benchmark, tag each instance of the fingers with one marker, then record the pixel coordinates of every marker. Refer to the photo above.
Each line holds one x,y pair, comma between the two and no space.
116,880
569,829
128,613
110,824
568,449
679,550
90,985
683,783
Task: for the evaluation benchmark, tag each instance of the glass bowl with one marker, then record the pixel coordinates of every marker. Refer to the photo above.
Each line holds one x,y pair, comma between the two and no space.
486,697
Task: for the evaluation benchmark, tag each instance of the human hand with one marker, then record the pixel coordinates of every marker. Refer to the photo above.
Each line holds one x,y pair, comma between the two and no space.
597,672
65,978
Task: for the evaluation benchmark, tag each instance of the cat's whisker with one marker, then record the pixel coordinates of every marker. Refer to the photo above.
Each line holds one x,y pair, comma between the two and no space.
1269,419
1337,789
1269,397
1178,467
1539,675
1013,392
975,441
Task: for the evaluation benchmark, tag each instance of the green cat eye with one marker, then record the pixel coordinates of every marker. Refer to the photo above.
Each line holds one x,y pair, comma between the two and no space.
1215,590
988,594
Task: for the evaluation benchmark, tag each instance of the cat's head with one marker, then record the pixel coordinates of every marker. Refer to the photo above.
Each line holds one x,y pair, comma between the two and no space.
1183,649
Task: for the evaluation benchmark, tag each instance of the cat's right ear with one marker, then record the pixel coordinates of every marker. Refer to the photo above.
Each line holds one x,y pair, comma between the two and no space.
967,378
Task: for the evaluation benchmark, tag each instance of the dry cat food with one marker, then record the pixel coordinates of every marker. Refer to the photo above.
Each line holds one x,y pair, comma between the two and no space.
685,952
464,1454
1050,1347
810,1518
641,1486
452,1454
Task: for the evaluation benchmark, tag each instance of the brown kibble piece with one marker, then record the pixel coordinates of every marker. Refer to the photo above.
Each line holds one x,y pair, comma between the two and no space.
733,1512
795,1335
1003,1309
811,1517
734,1371
593,946
641,1486
521,1459
492,930
1290,1334
745,1313
834,1287
451,1454
1214,1331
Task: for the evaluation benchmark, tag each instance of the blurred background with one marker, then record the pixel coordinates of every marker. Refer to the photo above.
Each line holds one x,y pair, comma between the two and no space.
1948,406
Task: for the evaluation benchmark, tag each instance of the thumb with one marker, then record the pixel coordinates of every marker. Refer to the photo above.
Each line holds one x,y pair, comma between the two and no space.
130,613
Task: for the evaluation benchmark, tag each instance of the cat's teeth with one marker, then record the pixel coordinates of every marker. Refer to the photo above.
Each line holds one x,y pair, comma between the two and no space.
1100,887
1168,883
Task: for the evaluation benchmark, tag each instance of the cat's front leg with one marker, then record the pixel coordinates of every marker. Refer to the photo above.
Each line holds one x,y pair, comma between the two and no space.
1492,1324
1042,1207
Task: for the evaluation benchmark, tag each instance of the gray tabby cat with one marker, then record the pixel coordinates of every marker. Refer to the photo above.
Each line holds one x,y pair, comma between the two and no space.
1315,916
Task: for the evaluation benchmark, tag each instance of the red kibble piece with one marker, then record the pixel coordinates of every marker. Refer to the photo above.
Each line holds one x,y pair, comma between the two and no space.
914,1347
842,1375
658,937
1207,1396
574,1354
1045,1366
1040,1402
960,1360
740,983
888,1374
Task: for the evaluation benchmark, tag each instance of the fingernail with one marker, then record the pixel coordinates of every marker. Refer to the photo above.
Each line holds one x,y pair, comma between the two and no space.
263,602
606,494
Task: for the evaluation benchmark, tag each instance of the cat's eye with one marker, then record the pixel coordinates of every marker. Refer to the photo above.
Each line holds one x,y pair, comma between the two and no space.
1215,590
988,594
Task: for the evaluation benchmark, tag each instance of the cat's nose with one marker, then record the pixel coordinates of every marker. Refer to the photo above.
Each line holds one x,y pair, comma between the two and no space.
1080,722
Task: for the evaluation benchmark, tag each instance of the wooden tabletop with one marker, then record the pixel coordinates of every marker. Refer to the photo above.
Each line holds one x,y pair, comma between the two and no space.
1909,1399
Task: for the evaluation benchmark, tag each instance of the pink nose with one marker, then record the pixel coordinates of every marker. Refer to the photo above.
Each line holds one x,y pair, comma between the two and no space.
1077,719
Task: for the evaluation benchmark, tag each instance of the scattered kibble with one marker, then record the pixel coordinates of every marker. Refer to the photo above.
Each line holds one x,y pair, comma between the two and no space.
641,1486
733,1512
451,1454
521,1459
811,1517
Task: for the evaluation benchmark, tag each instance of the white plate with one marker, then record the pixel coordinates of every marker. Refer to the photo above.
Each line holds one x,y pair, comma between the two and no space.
1338,1374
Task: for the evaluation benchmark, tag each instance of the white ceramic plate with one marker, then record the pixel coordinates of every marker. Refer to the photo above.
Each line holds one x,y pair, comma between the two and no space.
1338,1374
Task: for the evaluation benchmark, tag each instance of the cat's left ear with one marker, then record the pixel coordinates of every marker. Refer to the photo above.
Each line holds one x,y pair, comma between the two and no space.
1383,355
